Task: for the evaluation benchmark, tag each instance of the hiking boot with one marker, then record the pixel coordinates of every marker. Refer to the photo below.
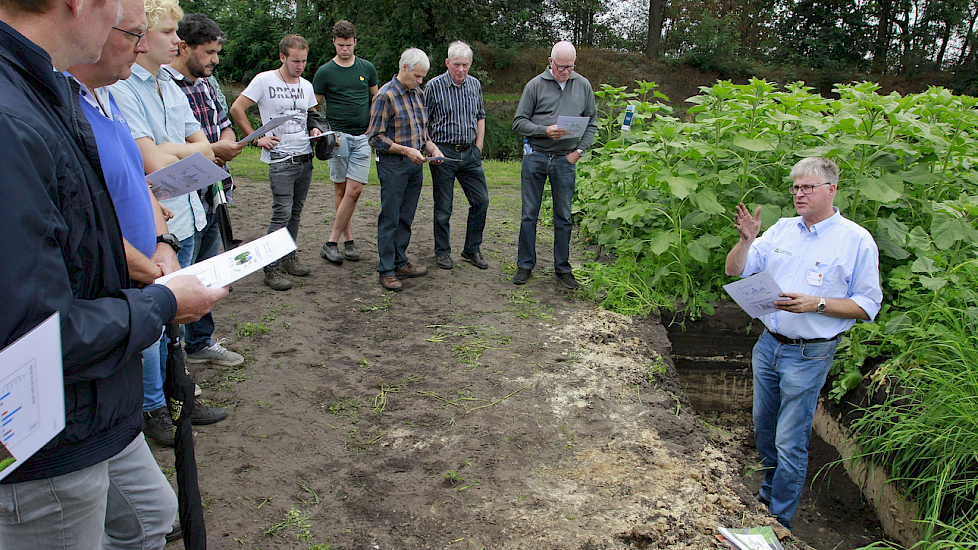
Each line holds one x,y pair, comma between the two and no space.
176,532
217,354
475,259
158,426
202,415
522,276
567,280
331,252
390,282
290,264
350,252
408,271
444,262
275,280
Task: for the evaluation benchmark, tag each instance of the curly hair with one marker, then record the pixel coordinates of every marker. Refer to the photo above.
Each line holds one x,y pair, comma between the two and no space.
158,9
196,29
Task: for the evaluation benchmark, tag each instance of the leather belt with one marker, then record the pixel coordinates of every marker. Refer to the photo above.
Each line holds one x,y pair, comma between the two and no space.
800,341
453,147
299,159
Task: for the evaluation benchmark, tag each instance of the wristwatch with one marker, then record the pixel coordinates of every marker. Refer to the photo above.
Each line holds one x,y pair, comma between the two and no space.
580,152
821,305
170,239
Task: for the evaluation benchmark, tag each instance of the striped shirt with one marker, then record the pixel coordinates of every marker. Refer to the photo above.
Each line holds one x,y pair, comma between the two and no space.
397,115
453,110
204,103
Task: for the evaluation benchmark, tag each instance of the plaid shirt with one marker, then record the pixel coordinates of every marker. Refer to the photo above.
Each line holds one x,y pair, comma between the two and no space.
204,103
397,115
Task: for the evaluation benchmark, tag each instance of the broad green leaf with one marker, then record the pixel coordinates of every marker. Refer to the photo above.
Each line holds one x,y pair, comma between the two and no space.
878,189
890,248
710,241
933,283
922,264
949,231
693,219
707,202
895,229
770,213
755,145
661,241
631,211
919,240
682,186
698,252
898,322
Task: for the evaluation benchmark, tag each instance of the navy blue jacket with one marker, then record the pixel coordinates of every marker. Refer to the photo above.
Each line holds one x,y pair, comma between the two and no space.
62,251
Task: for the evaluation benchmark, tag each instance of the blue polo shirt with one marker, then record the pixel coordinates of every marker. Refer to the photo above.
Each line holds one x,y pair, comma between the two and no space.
840,250
122,165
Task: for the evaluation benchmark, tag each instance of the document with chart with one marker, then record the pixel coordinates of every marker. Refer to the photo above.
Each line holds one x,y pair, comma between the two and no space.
185,176
32,399
755,294
224,269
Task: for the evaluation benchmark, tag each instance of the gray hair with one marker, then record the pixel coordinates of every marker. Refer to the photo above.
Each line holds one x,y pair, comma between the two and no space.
816,166
459,49
413,57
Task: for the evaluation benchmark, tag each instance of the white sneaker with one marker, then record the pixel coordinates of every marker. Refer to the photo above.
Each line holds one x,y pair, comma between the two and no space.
217,354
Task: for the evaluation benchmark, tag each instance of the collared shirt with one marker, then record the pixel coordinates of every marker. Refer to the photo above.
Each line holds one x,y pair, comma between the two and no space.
204,103
837,253
398,116
165,117
453,110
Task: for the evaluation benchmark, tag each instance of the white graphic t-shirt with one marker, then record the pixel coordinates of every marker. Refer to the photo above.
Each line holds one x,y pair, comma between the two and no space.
276,98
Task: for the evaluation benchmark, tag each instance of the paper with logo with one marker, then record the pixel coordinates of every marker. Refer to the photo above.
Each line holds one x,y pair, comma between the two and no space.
575,125
224,269
754,538
32,398
755,294
267,127
185,176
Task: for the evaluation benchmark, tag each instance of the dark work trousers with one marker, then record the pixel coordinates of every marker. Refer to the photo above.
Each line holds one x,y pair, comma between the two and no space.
472,180
400,189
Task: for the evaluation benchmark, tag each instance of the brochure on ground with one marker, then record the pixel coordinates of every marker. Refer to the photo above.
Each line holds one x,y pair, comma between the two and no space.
752,538
224,269
32,402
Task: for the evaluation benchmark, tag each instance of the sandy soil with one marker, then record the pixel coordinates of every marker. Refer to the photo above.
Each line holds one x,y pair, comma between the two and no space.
464,412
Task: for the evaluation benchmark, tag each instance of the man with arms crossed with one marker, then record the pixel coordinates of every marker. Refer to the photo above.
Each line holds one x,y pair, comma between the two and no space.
346,83
165,130
398,130
828,268
457,124
287,150
201,41
69,257
558,91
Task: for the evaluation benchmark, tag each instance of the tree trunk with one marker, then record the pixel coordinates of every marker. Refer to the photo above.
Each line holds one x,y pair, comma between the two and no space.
882,46
655,28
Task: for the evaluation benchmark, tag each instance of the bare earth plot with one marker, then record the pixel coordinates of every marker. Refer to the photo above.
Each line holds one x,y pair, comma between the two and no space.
462,413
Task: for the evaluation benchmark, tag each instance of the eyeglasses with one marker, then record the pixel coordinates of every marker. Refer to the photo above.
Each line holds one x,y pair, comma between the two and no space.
139,37
563,67
806,189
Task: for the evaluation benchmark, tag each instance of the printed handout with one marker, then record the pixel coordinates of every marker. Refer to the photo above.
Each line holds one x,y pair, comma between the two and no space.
224,269
32,398
575,125
185,176
267,127
755,294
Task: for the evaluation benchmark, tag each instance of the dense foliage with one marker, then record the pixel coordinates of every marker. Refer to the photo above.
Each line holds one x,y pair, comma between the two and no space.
661,198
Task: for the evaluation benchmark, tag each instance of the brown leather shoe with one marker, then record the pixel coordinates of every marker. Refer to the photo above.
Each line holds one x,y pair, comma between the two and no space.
408,271
390,282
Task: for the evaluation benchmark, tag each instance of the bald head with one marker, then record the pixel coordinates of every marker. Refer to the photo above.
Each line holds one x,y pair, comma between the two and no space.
562,58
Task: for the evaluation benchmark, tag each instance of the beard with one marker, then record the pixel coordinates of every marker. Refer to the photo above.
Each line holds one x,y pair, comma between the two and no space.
196,69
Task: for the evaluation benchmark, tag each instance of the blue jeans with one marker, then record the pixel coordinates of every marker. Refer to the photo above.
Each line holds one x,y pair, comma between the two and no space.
787,381
400,189
472,180
290,184
154,357
208,245
537,167
123,502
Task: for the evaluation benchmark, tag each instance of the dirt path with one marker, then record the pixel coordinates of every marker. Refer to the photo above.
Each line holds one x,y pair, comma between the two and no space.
464,412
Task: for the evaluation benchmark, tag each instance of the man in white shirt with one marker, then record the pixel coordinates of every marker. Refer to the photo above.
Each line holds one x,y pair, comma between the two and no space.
286,149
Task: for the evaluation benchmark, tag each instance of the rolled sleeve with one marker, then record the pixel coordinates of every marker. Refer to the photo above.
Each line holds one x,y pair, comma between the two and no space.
377,128
865,289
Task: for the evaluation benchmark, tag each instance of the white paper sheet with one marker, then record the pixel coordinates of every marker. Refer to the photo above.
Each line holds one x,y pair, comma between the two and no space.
185,176
755,294
32,399
224,269
267,127
575,125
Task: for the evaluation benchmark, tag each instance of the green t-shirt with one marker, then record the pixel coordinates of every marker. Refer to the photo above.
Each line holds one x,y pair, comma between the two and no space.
346,94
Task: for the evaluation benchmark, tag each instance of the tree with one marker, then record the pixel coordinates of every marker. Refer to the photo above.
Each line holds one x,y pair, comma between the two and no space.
656,11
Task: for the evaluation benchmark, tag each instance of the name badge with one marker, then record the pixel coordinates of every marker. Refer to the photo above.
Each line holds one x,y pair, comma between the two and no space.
814,278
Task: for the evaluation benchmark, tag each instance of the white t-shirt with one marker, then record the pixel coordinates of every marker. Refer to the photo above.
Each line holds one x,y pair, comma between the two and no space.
276,98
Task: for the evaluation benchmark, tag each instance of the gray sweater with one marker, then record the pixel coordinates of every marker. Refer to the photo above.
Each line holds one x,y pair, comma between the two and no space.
543,101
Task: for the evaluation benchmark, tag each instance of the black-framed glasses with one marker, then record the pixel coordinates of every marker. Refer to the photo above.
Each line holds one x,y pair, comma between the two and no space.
806,189
139,37
563,67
